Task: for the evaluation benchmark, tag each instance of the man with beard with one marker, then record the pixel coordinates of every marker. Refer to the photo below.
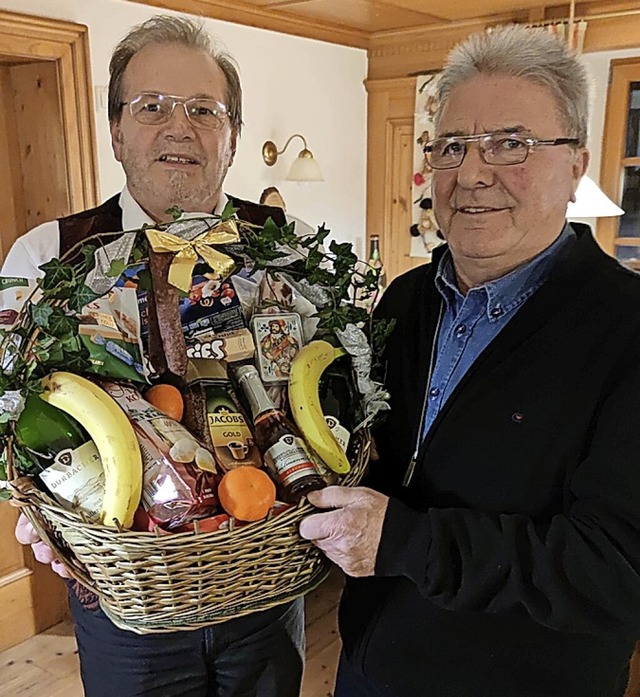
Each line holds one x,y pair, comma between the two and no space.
175,115
497,550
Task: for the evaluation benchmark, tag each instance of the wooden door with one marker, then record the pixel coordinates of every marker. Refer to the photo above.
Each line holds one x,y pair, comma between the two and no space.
47,169
396,243
389,171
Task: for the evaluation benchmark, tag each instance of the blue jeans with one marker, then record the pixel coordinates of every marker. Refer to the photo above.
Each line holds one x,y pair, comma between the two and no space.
260,655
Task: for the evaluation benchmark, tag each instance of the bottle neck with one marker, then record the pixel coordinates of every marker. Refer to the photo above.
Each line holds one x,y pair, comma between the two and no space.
259,400
375,249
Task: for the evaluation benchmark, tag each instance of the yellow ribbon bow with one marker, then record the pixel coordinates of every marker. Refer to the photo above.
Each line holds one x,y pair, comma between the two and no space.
188,251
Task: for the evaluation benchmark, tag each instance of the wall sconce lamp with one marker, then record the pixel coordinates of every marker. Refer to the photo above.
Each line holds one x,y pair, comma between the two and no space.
591,202
305,168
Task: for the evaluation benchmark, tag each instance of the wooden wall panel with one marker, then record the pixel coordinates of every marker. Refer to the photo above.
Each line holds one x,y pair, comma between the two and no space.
13,556
67,45
48,168
12,216
32,597
40,141
18,620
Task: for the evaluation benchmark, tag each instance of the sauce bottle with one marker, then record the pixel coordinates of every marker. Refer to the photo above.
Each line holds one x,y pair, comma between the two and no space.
285,453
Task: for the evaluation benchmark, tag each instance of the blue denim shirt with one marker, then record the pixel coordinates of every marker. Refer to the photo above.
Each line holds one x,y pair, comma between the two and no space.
470,322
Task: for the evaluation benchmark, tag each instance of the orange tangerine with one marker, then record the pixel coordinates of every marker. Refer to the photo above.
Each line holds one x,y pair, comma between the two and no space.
167,399
247,493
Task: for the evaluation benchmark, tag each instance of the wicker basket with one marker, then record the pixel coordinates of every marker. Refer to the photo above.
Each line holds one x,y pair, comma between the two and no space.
150,583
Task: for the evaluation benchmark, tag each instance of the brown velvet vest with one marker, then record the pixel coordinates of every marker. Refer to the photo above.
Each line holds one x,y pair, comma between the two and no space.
108,218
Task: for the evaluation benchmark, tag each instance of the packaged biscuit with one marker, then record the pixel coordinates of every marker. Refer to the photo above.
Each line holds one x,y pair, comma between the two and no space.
110,330
211,308
233,346
180,476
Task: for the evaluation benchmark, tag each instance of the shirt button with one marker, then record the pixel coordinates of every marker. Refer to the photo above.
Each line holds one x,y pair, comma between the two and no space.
497,311
461,329
434,392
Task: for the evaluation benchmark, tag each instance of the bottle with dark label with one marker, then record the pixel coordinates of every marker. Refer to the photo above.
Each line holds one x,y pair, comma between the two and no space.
285,452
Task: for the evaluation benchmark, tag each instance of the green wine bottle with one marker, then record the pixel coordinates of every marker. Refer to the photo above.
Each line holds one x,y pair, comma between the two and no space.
44,431
338,400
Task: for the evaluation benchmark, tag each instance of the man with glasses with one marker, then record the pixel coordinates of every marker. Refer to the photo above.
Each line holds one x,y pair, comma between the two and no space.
175,115
497,550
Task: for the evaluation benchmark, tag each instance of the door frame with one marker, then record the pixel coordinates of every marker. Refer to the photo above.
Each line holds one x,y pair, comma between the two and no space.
32,597
66,43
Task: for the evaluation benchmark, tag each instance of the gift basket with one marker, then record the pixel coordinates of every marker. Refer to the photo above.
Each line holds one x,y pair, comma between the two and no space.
171,394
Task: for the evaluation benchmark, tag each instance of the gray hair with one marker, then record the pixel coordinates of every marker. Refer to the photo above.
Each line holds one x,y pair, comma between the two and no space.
165,29
531,53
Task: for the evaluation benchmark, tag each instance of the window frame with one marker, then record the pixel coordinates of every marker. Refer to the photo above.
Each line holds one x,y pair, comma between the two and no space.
622,72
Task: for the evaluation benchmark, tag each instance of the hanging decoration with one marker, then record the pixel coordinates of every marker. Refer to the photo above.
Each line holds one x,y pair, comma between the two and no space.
424,229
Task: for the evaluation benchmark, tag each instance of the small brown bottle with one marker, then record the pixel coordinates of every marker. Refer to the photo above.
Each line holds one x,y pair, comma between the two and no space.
285,453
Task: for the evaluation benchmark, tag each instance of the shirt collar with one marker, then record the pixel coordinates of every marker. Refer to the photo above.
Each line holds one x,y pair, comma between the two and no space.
134,217
507,293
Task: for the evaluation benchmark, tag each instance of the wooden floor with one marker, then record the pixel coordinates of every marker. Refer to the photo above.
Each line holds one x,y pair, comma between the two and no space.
47,665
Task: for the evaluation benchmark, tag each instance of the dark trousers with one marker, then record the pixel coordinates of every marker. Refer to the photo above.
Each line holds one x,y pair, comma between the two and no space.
350,683
260,655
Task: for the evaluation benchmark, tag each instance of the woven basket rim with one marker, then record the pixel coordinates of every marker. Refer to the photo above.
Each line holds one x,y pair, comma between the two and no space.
165,572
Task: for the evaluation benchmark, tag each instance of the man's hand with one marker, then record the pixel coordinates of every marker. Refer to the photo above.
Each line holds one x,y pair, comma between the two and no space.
350,534
26,535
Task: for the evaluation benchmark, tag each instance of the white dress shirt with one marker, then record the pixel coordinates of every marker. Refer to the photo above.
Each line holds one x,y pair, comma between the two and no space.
42,244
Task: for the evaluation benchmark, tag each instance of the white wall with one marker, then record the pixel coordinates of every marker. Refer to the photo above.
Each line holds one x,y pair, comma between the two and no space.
291,85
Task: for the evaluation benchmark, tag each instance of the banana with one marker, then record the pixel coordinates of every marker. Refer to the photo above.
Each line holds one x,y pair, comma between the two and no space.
113,436
306,369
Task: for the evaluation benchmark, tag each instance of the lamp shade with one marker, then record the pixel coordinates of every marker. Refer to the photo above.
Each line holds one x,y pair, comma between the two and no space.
591,202
305,168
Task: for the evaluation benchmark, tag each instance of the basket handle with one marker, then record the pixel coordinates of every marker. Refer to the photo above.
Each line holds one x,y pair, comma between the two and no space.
24,492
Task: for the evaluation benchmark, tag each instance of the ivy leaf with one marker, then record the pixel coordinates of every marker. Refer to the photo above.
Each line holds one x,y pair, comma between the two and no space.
89,260
41,314
61,325
175,212
116,268
77,362
228,212
82,296
56,273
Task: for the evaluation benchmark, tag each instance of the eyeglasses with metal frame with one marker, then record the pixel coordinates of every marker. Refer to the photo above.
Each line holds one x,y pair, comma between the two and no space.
495,148
153,109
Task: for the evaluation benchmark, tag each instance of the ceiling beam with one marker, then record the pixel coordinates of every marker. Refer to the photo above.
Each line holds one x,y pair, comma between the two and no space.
243,13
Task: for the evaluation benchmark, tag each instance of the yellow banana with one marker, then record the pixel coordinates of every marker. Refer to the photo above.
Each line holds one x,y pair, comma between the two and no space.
306,369
113,436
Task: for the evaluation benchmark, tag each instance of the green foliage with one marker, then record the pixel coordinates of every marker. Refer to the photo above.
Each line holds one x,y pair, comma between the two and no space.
229,211
337,271
82,296
46,337
116,268
175,212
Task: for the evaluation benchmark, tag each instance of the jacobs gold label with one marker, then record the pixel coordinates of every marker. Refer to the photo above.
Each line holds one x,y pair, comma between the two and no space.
231,437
